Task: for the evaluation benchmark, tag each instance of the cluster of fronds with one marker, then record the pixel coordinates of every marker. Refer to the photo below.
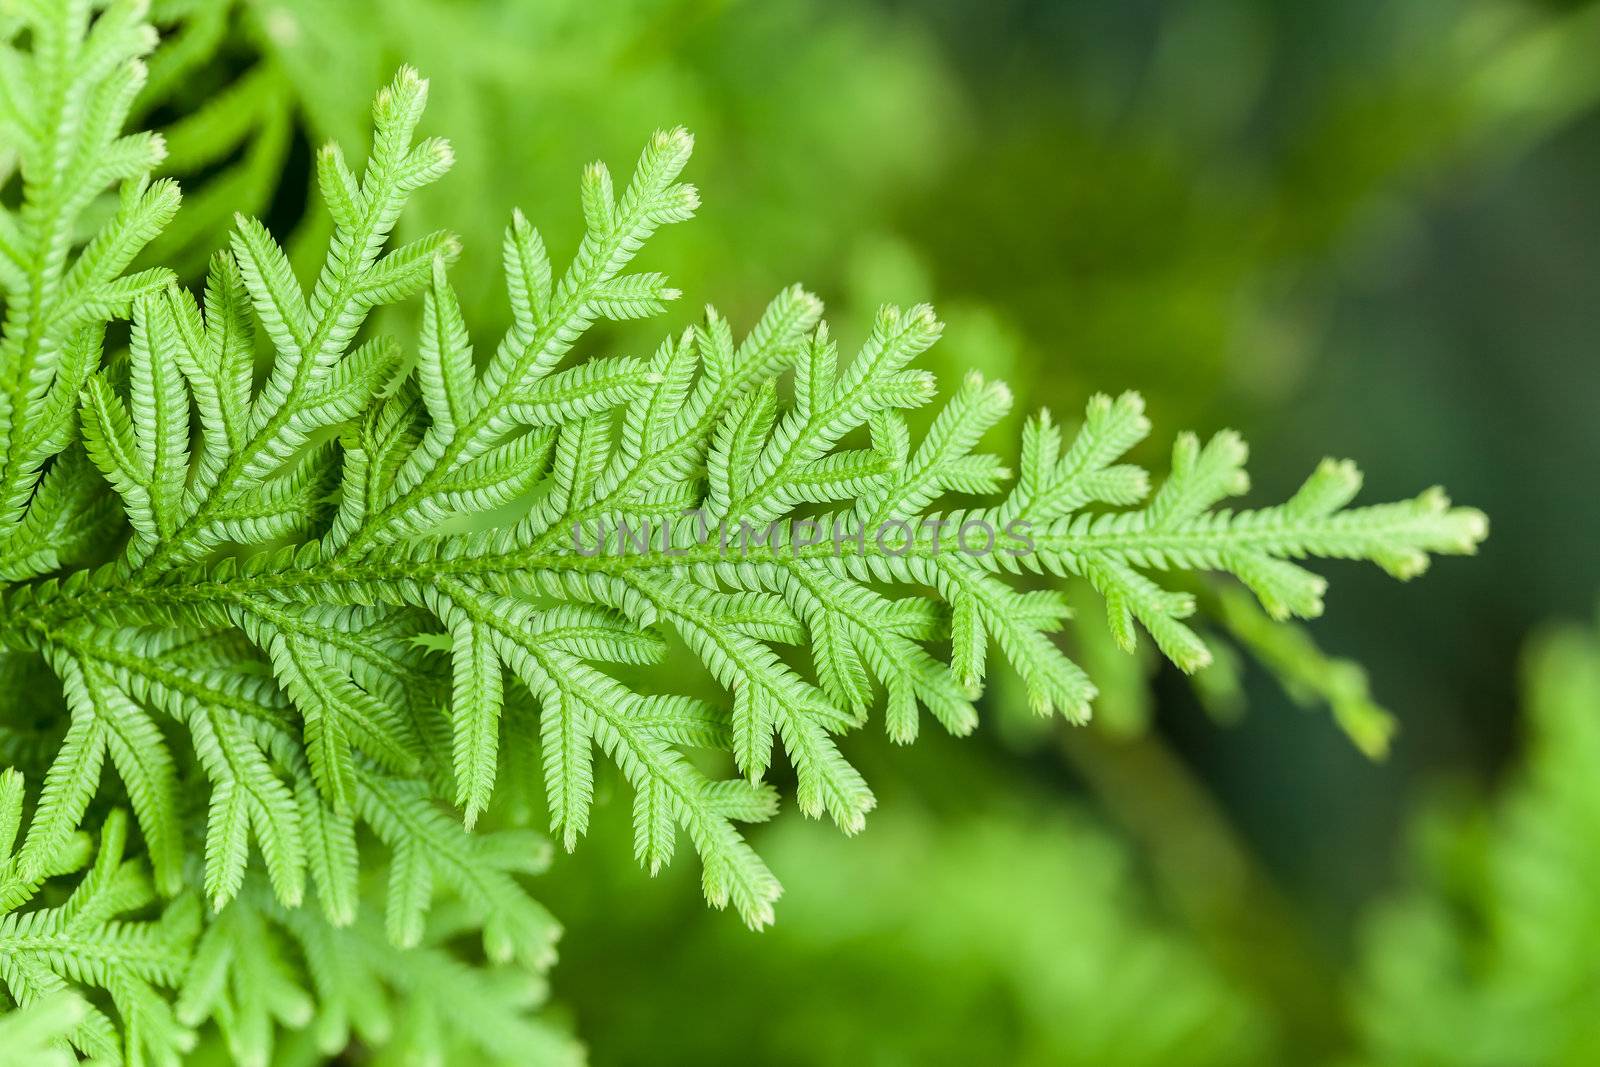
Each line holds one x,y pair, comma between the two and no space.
324,610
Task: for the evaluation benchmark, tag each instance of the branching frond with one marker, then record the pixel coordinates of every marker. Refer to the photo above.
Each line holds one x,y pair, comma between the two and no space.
261,968
87,942
670,495
69,81
347,580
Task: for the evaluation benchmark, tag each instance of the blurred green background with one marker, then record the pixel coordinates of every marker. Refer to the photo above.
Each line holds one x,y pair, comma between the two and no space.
1352,227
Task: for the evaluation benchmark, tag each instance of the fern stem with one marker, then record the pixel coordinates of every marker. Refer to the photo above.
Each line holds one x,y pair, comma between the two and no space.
43,607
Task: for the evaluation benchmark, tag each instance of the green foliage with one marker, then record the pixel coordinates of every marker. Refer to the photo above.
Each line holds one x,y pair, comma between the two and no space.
333,602
35,1036
785,101
62,114
1040,946
1489,959
88,942
260,966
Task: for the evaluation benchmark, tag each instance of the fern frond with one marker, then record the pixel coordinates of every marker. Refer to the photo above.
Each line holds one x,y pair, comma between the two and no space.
1308,674
807,552
48,953
316,381
71,78
261,969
